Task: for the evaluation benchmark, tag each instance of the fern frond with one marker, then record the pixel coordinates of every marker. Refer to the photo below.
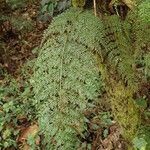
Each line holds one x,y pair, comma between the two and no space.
118,51
66,77
140,28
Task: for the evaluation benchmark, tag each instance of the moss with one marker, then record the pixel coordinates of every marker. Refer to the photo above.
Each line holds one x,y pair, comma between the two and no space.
78,3
125,110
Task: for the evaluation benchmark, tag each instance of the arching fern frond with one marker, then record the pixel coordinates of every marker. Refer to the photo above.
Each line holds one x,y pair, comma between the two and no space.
66,80
118,51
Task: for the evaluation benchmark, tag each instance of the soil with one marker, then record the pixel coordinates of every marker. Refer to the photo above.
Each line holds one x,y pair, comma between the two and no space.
18,44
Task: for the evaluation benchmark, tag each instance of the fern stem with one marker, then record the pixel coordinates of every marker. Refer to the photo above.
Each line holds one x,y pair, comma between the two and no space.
61,67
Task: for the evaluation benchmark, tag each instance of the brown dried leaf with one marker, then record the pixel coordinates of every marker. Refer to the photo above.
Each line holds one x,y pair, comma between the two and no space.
31,130
130,3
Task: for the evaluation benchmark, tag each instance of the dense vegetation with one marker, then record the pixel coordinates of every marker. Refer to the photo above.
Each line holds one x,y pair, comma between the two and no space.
91,73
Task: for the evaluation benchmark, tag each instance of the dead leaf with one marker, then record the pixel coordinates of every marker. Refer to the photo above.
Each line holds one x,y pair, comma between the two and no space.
25,147
130,3
31,130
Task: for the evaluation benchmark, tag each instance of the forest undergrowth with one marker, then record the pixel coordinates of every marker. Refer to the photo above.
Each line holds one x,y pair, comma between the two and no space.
85,86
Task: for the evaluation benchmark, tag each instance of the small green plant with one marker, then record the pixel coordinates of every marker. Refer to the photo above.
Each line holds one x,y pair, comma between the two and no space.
31,141
142,102
106,118
50,7
14,4
47,8
15,103
142,139
139,143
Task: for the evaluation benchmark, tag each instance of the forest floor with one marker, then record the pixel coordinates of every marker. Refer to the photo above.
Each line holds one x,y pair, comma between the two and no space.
17,50
19,44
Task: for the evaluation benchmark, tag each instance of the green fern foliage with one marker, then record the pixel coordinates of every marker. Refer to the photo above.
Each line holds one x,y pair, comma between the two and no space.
142,43
125,46
126,42
66,79
117,49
